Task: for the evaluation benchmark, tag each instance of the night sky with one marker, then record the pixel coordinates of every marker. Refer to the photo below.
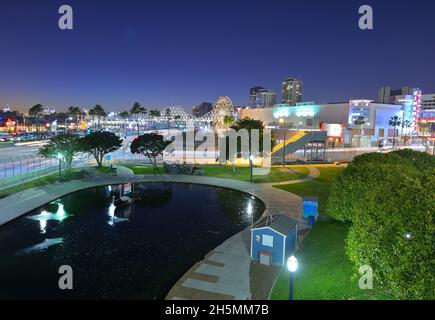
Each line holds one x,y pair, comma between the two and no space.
183,52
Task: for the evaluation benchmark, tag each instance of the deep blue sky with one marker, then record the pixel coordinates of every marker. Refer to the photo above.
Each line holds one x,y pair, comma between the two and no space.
183,52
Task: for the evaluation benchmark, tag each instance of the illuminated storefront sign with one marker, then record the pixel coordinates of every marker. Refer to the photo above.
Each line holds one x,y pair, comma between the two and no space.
358,108
281,112
334,130
305,111
416,106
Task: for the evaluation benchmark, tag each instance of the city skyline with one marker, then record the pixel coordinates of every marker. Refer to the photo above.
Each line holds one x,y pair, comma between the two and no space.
162,57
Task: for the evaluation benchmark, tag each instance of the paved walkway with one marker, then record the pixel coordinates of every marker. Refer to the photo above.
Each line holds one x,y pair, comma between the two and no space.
224,273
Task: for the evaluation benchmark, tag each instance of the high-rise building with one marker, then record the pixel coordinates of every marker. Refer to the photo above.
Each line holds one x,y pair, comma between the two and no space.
266,98
253,92
291,91
388,95
202,109
260,97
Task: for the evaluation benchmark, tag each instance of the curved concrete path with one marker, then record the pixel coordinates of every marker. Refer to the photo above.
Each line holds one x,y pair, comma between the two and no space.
224,273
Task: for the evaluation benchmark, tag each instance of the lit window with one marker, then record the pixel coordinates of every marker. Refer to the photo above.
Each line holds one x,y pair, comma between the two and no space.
267,241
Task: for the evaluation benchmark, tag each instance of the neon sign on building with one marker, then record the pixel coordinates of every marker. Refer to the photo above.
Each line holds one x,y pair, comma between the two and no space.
416,106
304,111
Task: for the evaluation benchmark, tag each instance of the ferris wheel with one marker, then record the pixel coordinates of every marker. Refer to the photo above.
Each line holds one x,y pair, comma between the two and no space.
222,107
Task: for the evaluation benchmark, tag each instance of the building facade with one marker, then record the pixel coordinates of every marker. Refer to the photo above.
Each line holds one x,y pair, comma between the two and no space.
335,118
388,95
260,97
291,91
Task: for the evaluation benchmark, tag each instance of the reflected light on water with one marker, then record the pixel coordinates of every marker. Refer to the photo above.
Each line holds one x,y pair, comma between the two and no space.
44,216
42,226
249,209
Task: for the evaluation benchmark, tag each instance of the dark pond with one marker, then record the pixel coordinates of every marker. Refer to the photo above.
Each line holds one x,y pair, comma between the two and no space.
136,251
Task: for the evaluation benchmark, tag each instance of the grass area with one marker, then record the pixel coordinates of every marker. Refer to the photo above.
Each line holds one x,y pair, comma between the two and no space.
105,169
324,272
242,173
50,179
317,187
142,169
6,143
276,174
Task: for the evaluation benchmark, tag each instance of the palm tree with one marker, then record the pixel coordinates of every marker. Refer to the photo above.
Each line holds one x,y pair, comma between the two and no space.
168,117
406,124
75,113
92,114
228,121
124,115
154,113
137,110
360,121
36,112
394,122
98,111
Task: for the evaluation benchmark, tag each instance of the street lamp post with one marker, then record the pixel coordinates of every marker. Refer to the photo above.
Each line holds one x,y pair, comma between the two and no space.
283,152
292,266
59,156
251,157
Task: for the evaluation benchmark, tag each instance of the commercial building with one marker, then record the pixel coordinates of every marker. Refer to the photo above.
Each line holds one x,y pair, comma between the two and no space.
388,95
253,92
291,91
335,118
202,109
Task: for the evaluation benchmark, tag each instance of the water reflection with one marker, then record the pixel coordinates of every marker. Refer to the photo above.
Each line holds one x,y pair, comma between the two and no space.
116,215
40,246
166,230
58,215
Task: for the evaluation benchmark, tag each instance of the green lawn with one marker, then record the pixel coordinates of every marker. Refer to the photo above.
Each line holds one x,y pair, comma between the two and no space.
324,271
105,169
52,178
142,169
317,187
243,173
6,143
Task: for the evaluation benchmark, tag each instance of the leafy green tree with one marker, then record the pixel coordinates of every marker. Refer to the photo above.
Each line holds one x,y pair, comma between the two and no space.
393,232
349,187
250,124
389,199
137,110
99,144
64,147
150,145
419,160
154,113
394,122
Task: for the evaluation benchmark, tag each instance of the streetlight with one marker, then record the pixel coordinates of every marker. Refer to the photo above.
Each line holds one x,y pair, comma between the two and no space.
292,266
251,158
60,157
